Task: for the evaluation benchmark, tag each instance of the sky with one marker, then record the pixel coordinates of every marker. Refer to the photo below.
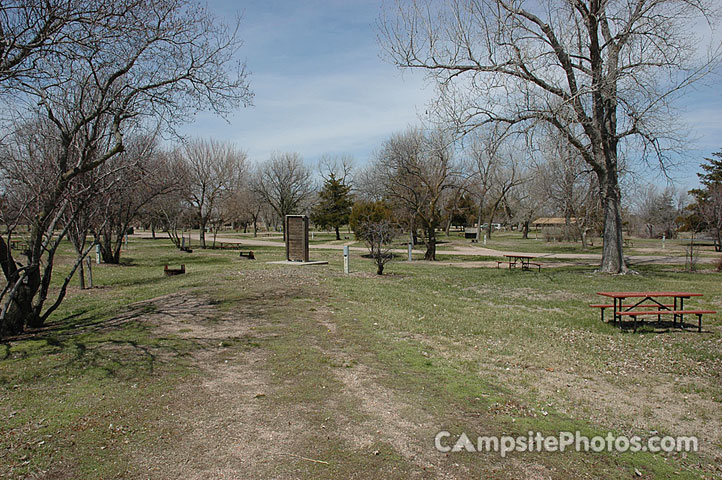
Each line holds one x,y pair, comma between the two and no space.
322,87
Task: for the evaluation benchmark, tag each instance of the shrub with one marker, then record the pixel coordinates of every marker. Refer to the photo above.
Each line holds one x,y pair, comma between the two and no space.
718,265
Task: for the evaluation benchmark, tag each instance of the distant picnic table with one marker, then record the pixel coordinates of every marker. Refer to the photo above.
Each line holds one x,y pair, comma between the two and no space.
651,303
226,246
19,245
518,259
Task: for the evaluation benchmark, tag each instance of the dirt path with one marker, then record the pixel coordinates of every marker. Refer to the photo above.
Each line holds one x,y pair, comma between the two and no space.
285,389
589,258
288,398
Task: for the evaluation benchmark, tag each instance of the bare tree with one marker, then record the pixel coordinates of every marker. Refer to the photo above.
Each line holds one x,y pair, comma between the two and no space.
174,215
600,73
135,61
417,170
33,29
139,175
340,166
245,207
284,183
373,223
570,186
659,211
83,215
170,212
27,167
369,183
379,235
526,203
494,171
215,170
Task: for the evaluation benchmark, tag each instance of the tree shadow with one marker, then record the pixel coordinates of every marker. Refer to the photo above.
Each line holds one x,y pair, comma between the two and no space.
659,327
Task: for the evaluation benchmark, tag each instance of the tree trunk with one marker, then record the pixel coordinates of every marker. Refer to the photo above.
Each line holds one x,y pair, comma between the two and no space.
338,234
106,251
494,209
18,312
152,230
81,276
173,235
430,244
478,222
414,236
202,233
18,305
525,230
110,251
24,306
379,268
612,254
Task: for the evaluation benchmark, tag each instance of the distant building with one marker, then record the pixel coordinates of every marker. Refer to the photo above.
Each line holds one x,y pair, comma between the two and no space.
552,222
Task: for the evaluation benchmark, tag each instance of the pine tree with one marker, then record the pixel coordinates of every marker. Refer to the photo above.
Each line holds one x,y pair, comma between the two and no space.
334,207
706,212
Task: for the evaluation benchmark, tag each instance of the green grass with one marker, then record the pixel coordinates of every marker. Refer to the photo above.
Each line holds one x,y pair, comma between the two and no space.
476,350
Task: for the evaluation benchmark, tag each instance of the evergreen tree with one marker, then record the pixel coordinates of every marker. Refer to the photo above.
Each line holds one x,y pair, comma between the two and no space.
712,175
706,212
334,207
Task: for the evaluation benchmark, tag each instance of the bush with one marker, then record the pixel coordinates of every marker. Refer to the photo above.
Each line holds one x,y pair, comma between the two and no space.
373,223
363,213
718,265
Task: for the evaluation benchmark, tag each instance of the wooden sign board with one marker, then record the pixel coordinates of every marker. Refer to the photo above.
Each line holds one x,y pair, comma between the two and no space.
296,228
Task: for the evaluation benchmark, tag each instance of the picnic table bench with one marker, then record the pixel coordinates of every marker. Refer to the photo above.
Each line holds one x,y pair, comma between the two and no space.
19,245
650,304
248,255
525,261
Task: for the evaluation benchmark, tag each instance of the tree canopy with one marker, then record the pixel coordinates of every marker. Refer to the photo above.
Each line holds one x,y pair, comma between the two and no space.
334,206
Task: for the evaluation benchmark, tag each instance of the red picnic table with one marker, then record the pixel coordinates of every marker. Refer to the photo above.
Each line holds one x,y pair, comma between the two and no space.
651,303
524,260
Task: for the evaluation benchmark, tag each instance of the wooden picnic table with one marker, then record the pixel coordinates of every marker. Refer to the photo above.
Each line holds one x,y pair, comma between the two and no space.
518,258
651,303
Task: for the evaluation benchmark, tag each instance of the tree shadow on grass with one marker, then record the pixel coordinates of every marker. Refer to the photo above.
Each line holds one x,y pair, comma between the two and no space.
660,327
128,344
76,324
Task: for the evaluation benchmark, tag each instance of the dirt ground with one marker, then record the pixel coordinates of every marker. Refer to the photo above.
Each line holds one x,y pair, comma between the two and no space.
293,399
230,425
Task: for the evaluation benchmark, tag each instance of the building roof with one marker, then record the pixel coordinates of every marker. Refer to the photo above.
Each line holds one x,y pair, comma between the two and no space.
553,221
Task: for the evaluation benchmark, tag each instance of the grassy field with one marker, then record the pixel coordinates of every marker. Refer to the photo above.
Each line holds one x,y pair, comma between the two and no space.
506,241
241,369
